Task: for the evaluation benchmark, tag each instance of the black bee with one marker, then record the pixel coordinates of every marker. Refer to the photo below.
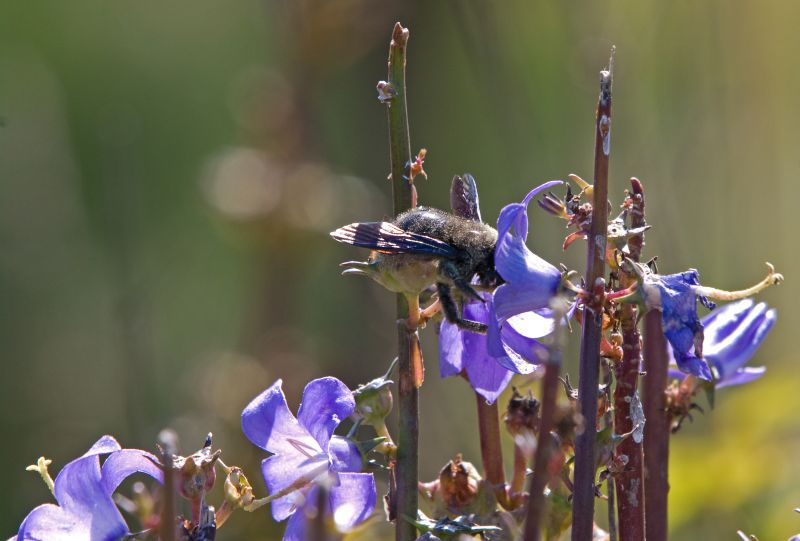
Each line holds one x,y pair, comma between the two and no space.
425,246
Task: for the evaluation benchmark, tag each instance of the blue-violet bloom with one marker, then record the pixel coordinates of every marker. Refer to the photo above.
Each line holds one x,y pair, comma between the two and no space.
468,352
83,490
733,333
305,453
517,313
676,297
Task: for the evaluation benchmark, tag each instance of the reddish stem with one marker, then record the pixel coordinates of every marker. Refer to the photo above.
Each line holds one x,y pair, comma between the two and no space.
491,449
544,451
657,429
630,482
583,496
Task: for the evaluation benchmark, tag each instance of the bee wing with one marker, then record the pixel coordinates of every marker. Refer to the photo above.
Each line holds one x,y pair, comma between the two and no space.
387,238
464,197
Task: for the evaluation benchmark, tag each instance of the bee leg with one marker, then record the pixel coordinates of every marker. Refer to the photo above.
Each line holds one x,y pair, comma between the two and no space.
429,312
449,270
450,309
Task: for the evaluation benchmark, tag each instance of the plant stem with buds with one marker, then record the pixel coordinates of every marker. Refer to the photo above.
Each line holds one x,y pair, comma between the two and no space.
408,343
630,482
583,498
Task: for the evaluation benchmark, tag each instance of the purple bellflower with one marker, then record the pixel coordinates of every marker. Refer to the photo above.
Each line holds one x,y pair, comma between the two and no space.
676,296
517,313
306,453
468,352
733,333
83,490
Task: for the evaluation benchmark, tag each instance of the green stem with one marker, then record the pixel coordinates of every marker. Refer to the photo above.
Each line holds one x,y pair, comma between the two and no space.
408,393
583,498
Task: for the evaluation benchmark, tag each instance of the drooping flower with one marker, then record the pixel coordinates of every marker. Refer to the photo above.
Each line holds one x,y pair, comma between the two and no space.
676,296
517,313
467,352
733,333
83,490
306,453
530,281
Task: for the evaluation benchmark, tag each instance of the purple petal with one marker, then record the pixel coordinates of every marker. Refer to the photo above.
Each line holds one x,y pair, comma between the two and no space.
694,366
80,493
722,321
487,376
530,280
734,350
505,355
291,470
353,500
296,527
326,403
50,522
451,350
532,324
269,424
345,455
126,462
743,375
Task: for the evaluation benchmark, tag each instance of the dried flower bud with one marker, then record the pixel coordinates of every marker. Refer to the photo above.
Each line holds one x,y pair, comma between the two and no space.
458,482
522,421
197,473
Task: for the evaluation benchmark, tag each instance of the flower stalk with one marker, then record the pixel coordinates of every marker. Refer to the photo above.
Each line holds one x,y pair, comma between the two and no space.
551,383
630,482
657,429
393,93
589,369
491,449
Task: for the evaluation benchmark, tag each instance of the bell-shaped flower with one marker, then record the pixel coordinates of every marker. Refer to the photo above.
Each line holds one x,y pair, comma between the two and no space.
306,453
676,296
733,333
83,490
468,353
530,281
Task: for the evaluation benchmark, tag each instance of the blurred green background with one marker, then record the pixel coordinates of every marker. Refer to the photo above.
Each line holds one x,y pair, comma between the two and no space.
169,173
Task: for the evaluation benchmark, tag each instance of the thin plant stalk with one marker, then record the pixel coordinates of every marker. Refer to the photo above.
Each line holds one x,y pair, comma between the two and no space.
630,482
169,513
657,429
611,493
491,449
408,343
534,520
583,495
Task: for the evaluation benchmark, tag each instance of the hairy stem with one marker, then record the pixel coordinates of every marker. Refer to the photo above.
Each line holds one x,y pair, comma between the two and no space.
583,496
518,479
408,346
657,430
491,449
608,421
630,482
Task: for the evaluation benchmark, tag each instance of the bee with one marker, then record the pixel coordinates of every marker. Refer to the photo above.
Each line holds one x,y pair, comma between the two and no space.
426,246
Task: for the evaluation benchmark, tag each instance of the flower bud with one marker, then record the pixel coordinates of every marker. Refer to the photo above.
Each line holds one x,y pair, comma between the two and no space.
374,400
